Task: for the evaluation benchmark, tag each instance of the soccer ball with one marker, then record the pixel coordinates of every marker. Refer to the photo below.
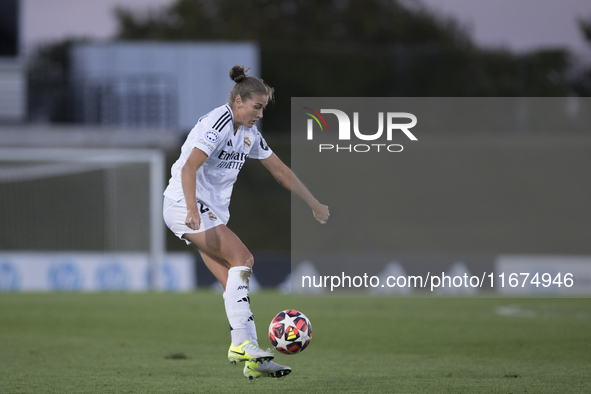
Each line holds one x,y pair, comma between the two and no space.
290,331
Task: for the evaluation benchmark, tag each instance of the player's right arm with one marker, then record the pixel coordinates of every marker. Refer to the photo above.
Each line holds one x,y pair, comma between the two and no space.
188,181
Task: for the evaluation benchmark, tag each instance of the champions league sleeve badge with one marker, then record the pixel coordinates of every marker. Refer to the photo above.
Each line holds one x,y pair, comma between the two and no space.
212,136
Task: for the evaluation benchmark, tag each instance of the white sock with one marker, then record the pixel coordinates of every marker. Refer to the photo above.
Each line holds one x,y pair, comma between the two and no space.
237,303
251,330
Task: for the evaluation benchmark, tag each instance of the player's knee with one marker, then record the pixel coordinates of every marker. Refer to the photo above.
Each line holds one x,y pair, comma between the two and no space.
244,259
249,260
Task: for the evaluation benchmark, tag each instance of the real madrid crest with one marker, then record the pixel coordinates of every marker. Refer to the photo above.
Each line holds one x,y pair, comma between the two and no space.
212,216
247,142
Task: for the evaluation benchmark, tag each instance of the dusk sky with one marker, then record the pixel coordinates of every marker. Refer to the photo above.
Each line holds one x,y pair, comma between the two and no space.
514,24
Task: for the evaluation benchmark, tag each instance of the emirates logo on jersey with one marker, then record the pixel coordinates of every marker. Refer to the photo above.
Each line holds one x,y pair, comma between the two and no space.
247,142
231,160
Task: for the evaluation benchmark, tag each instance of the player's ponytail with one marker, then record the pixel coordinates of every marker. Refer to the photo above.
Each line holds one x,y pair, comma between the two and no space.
247,86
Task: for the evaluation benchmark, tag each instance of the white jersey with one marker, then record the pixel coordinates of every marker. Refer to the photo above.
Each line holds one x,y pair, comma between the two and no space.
226,151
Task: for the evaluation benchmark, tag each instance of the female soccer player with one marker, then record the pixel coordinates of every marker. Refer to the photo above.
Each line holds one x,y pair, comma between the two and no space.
198,196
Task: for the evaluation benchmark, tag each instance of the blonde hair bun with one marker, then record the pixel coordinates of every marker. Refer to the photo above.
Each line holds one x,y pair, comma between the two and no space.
237,73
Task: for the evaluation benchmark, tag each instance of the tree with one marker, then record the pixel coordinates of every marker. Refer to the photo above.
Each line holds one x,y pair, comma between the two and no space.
582,81
291,21
354,48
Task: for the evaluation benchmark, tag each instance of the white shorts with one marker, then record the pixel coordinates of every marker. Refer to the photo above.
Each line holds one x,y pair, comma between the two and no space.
175,214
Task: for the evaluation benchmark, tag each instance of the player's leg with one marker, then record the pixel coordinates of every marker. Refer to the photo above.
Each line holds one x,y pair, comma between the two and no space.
222,244
217,267
253,370
231,263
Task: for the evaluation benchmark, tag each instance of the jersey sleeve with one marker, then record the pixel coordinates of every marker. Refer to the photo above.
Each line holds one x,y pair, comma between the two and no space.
260,149
206,139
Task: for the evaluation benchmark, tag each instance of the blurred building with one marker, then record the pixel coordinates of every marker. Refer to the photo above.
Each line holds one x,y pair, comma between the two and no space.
154,84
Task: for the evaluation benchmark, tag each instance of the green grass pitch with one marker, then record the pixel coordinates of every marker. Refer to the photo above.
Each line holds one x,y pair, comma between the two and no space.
177,343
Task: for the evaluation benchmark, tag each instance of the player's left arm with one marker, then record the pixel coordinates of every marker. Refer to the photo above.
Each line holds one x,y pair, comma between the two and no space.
288,180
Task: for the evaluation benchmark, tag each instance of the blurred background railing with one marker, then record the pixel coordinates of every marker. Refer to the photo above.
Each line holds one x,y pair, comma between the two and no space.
132,101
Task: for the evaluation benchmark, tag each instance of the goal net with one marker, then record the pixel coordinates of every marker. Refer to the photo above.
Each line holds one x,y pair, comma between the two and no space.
82,200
